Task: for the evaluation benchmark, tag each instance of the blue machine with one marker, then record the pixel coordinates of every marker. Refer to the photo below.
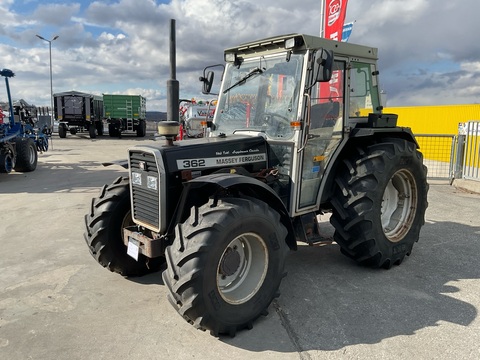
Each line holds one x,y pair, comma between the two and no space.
20,141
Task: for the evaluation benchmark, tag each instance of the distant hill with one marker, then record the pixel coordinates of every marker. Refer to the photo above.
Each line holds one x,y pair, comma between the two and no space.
156,116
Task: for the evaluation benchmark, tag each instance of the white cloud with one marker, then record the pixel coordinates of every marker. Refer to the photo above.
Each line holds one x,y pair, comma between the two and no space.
123,45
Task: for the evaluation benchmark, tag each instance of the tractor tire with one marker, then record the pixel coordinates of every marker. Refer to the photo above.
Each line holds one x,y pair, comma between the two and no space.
226,263
92,130
109,214
62,131
141,128
379,202
27,155
6,162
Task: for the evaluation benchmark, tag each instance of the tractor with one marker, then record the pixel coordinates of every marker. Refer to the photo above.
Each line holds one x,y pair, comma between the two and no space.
298,132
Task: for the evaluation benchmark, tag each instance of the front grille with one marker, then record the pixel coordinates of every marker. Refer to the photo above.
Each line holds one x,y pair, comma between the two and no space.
145,201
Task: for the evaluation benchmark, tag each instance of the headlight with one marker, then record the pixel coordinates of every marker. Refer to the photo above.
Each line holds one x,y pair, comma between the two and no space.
152,182
136,178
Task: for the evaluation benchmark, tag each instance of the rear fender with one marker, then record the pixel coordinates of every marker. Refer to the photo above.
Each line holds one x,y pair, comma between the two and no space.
358,137
198,190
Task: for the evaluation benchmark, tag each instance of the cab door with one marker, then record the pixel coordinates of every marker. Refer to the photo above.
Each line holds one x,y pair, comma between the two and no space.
325,131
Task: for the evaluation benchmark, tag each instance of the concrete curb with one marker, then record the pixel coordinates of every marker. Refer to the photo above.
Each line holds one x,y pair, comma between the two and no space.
467,185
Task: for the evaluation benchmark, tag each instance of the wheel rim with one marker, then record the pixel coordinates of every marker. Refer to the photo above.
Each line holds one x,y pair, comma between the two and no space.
31,155
242,268
399,205
8,163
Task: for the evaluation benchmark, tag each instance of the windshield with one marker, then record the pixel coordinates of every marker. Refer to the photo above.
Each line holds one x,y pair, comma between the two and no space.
260,95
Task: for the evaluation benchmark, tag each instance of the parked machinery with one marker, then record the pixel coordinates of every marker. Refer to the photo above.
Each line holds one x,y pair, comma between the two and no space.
125,114
20,139
195,115
78,112
298,131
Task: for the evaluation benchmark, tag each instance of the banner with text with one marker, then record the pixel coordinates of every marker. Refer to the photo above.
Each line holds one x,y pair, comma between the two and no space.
334,18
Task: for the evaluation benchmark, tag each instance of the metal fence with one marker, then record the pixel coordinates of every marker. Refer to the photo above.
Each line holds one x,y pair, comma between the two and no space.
439,152
469,138
450,157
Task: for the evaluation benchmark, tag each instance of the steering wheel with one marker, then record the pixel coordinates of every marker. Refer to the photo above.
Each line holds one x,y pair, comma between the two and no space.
284,120
277,127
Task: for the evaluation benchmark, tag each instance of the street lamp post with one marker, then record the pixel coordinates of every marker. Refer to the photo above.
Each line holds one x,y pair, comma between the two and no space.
51,81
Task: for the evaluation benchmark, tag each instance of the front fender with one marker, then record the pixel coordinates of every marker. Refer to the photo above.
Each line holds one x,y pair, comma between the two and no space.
206,186
122,163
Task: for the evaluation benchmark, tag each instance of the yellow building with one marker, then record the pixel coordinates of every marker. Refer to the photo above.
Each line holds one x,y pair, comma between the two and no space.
438,119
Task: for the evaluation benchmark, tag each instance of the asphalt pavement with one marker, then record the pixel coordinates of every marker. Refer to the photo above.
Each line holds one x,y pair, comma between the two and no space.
56,302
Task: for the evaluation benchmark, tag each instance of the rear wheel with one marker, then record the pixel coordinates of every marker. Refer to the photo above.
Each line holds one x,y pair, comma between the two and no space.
113,130
99,127
109,214
141,128
92,130
27,155
226,263
62,130
380,202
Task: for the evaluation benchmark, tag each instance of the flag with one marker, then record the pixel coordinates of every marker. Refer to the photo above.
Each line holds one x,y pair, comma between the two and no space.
333,18
347,31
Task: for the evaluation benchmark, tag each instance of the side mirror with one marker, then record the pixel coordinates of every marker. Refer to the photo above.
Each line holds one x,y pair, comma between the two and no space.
207,82
324,66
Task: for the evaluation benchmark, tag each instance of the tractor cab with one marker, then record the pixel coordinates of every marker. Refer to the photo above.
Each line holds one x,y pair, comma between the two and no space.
302,99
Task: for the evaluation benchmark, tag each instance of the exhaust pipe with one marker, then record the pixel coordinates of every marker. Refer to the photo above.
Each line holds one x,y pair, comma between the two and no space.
170,127
173,88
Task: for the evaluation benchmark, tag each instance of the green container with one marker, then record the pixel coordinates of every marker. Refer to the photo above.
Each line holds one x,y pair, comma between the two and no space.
124,106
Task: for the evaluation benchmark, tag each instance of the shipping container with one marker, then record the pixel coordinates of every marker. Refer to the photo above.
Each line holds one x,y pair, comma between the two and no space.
125,113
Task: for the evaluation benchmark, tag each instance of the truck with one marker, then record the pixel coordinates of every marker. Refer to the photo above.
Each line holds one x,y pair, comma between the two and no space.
77,112
125,113
20,138
298,132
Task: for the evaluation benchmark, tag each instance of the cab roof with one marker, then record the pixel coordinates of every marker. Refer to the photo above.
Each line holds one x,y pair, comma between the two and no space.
299,43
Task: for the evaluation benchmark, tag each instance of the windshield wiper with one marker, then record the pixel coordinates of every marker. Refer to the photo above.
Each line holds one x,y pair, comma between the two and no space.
252,72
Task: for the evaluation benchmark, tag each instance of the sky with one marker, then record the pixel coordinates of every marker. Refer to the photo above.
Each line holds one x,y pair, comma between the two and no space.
429,49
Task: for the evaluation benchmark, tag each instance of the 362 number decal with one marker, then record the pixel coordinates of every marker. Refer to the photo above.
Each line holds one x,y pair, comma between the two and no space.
193,163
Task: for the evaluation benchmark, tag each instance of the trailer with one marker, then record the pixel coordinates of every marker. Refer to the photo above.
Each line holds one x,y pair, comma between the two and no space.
125,114
78,112
20,137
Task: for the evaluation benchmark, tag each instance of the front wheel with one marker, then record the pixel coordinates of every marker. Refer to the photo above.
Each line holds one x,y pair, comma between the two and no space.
27,155
109,214
226,263
380,202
